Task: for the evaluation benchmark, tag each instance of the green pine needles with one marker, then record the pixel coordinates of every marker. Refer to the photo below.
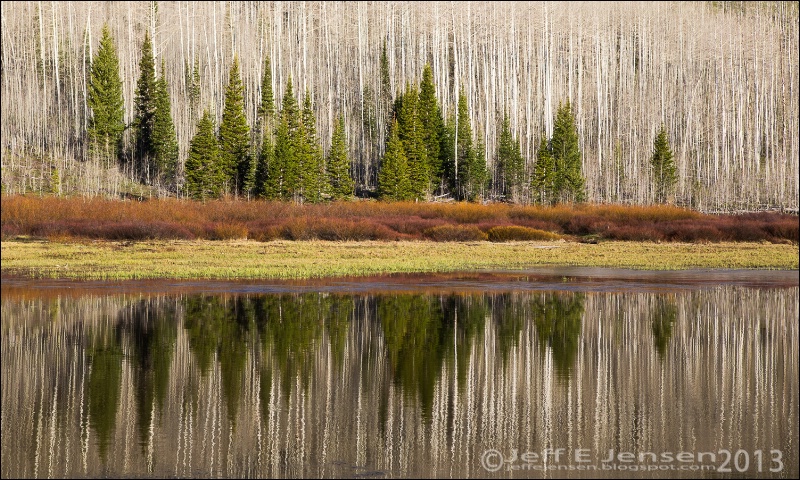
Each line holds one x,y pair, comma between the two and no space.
558,176
665,175
106,122
204,176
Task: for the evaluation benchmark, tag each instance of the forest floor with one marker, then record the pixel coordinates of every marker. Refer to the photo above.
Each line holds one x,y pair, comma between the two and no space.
281,259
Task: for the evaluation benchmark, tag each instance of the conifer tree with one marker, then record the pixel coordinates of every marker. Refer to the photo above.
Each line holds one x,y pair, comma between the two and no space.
234,136
569,183
665,175
289,147
467,168
393,181
510,163
104,98
475,174
266,159
266,109
193,84
411,134
312,169
204,178
145,112
275,184
338,164
430,116
542,183
164,139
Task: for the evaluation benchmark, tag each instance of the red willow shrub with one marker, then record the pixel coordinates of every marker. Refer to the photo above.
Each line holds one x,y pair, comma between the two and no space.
51,217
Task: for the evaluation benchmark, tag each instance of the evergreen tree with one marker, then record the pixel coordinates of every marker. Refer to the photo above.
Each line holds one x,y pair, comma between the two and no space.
266,109
665,175
234,136
569,183
204,178
106,123
192,73
339,164
475,174
411,134
289,147
510,163
274,162
145,112
468,169
164,139
314,180
430,116
542,182
266,157
393,181
447,152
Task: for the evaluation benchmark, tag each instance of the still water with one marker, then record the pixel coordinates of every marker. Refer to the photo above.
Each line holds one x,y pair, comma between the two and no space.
551,373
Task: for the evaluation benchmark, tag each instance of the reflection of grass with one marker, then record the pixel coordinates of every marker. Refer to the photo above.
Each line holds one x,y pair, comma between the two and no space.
306,259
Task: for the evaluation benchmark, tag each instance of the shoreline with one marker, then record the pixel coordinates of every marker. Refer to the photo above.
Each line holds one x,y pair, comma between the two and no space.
282,259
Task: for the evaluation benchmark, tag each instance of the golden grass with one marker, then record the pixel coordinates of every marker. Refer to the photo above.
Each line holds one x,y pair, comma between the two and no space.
248,259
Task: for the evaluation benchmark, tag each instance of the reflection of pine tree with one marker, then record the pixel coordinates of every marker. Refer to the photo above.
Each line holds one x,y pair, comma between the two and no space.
153,332
663,314
105,377
558,319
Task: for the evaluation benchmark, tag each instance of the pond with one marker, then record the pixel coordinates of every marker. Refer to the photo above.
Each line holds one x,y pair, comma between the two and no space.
542,373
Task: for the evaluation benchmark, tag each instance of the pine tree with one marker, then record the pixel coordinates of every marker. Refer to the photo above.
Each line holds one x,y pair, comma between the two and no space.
234,136
204,178
145,112
510,163
164,139
542,183
266,109
430,116
411,135
275,185
106,123
312,170
569,183
475,174
266,159
393,181
339,164
193,85
467,170
289,145
665,175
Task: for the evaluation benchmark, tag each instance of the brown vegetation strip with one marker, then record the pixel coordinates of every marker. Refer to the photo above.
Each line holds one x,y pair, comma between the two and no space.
170,219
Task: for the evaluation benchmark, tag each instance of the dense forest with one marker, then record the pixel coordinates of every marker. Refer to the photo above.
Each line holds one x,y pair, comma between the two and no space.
691,103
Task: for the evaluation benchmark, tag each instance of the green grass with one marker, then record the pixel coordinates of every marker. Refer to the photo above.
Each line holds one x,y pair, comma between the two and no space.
247,259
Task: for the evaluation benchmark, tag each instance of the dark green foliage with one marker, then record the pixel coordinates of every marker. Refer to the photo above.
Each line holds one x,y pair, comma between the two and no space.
313,184
542,181
393,181
464,165
266,109
338,164
204,179
412,136
284,175
569,183
192,73
106,123
665,175
266,157
164,139
430,116
386,84
234,133
145,112
511,164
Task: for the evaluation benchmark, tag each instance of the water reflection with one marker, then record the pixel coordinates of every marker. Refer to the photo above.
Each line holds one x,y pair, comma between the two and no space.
401,384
